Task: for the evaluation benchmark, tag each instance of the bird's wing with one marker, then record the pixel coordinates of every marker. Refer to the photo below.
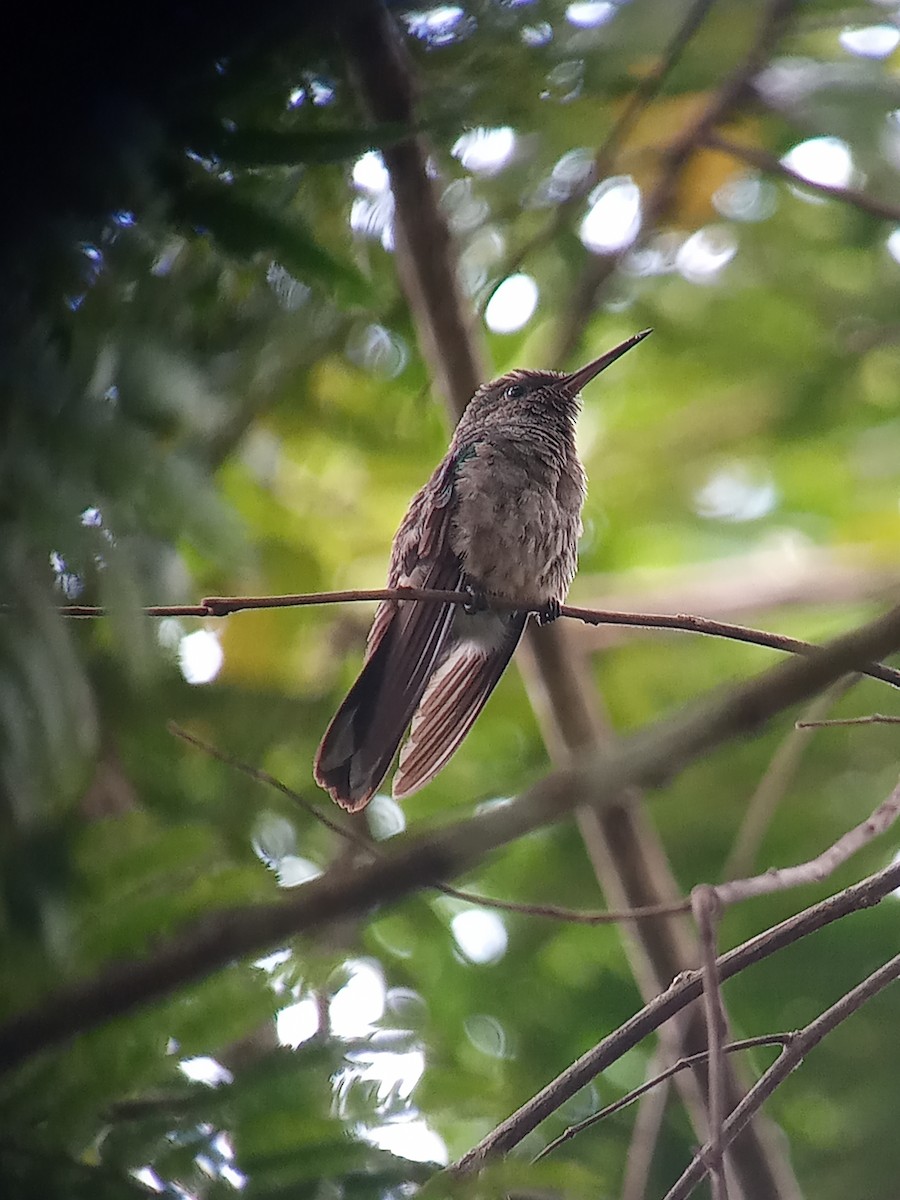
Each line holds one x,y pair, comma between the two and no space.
407,640
455,695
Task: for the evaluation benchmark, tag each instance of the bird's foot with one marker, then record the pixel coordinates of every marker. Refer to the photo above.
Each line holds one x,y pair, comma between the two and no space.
548,612
477,601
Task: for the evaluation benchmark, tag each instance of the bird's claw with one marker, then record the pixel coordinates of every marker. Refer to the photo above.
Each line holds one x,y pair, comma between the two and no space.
477,601
548,612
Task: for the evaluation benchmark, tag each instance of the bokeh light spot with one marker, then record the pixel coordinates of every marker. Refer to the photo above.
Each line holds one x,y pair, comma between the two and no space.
486,1034
825,160
614,216
204,1069
356,1007
200,656
410,1139
705,253
737,492
370,174
481,936
298,1022
485,151
587,14
537,35
512,305
871,41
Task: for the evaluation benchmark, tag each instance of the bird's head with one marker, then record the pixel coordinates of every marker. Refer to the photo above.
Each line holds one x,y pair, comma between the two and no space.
543,390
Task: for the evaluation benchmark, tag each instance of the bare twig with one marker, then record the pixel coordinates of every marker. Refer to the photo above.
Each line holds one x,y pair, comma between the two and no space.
692,624
341,828
346,830
413,862
674,160
763,161
640,99
575,917
871,719
649,87
657,1078
771,789
706,909
648,1125
789,1059
819,868
732,588
687,988
221,606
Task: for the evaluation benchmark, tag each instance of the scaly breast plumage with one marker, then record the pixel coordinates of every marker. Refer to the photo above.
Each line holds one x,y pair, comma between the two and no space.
518,540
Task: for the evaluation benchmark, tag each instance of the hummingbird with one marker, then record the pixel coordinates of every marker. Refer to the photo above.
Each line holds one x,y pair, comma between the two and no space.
499,519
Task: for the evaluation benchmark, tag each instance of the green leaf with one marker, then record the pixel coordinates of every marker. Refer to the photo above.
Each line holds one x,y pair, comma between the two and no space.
247,228
257,147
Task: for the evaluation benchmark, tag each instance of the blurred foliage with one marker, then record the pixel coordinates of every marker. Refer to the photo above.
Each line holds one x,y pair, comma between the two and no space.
212,386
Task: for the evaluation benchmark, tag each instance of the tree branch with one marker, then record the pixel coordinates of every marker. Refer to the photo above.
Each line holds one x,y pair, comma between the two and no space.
769,792
686,989
689,1060
706,908
347,831
818,868
599,779
640,99
836,722
789,1059
770,165
221,606
674,160
645,1133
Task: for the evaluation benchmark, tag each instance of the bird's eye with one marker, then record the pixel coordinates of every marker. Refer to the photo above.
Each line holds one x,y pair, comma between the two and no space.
515,391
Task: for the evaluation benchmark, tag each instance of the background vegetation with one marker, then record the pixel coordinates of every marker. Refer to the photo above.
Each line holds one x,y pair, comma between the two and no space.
216,382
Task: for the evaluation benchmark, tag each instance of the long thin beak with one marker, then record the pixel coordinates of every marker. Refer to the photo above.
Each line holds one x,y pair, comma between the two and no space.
577,380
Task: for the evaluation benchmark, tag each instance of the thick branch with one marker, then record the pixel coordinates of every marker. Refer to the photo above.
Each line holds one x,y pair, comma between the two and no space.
629,862
346,829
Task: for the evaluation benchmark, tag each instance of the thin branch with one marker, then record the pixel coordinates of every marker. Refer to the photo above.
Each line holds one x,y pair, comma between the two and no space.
688,1060
599,779
674,160
686,989
763,161
649,87
552,912
341,828
871,719
640,99
221,606
819,868
771,789
789,1059
645,1134
706,908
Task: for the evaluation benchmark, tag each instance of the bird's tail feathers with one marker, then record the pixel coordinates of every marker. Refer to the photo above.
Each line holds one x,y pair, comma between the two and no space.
349,763
362,739
454,697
